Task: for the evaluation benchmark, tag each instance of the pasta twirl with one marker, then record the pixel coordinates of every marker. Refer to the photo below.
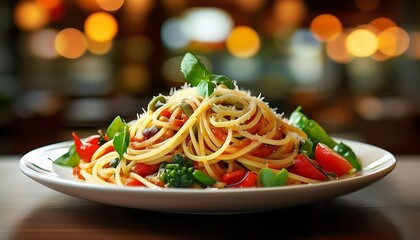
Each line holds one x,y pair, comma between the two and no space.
227,129
209,133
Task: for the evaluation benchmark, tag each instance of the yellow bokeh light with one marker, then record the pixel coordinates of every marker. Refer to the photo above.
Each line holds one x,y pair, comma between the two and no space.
110,5
70,43
101,27
336,49
30,16
325,27
361,43
393,41
243,42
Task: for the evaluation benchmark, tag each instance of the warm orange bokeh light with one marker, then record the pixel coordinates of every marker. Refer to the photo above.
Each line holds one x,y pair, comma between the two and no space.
393,41
110,5
30,16
49,4
361,43
101,26
243,42
382,23
70,43
325,27
379,56
289,13
336,49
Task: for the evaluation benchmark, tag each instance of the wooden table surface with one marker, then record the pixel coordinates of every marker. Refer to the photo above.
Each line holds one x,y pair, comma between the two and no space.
387,209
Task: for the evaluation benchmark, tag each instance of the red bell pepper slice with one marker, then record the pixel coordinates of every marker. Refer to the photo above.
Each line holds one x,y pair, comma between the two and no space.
86,150
240,178
233,177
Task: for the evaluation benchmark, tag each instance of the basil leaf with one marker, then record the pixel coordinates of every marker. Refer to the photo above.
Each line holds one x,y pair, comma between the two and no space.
205,88
70,158
196,74
121,141
221,79
194,70
117,125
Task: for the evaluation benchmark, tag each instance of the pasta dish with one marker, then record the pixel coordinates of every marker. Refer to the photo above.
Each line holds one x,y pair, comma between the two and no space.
226,139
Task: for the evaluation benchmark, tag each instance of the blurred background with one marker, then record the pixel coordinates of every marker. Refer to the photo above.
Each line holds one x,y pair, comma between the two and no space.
353,65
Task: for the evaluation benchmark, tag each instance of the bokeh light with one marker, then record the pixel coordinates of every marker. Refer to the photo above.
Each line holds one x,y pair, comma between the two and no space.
249,5
414,48
49,4
174,34
325,27
382,23
393,41
101,26
289,13
305,54
99,48
41,43
243,42
70,43
361,43
367,6
88,5
336,49
30,16
207,24
110,5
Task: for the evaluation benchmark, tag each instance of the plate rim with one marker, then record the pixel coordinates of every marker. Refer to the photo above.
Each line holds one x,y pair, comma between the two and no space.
53,181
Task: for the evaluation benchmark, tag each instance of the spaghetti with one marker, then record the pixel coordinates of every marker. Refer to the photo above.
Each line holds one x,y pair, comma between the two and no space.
228,130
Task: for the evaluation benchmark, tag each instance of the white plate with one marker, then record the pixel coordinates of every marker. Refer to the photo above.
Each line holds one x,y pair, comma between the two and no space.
37,164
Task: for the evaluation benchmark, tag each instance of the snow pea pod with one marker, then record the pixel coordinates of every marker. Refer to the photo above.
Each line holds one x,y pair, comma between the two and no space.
316,133
203,178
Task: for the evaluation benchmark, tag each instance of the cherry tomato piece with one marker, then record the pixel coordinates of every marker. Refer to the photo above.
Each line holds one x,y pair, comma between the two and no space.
331,161
303,167
249,181
143,169
132,182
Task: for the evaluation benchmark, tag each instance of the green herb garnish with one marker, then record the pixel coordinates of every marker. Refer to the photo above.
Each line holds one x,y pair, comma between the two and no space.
70,158
121,141
196,74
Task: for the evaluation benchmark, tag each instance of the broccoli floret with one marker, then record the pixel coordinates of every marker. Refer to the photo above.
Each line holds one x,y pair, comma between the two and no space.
178,173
